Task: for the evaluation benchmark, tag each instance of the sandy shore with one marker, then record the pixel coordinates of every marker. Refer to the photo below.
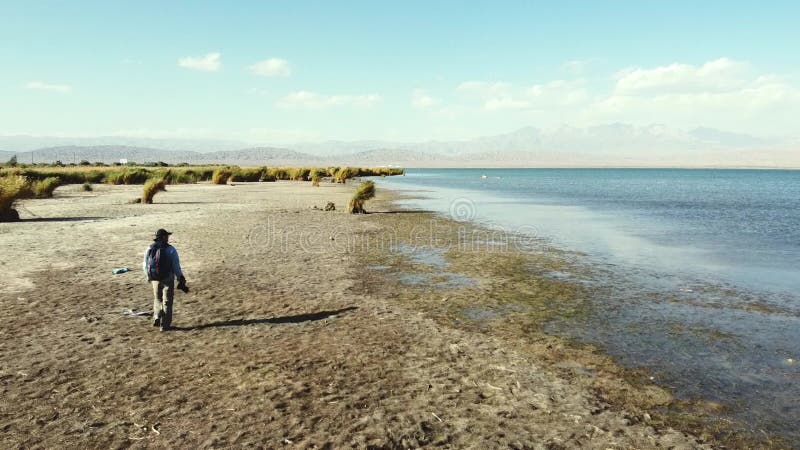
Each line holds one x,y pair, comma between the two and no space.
296,334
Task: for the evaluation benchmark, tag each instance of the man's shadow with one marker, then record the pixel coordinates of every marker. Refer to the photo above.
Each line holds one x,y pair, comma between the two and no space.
276,320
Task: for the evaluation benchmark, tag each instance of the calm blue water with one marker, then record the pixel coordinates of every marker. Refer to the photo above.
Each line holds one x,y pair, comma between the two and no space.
701,268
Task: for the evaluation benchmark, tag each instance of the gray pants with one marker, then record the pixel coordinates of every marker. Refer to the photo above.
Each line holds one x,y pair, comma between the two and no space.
163,294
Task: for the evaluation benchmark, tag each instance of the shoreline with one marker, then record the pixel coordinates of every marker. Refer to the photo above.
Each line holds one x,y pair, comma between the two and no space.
695,414
292,335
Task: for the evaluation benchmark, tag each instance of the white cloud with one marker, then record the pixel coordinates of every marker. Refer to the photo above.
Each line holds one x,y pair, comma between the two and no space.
421,100
38,85
273,67
313,100
750,97
722,93
497,96
207,63
722,74
557,93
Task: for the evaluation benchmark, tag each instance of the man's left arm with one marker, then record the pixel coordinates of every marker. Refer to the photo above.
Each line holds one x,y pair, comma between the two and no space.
176,267
176,264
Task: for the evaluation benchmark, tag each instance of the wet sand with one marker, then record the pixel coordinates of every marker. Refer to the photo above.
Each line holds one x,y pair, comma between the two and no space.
302,330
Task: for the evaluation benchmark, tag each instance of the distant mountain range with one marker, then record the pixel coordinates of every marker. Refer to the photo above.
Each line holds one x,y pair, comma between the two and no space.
617,145
23,143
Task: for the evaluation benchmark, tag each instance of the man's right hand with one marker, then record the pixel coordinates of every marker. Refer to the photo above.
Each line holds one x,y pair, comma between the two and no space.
182,284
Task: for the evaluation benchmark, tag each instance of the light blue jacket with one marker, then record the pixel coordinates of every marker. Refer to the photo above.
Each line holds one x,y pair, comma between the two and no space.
176,263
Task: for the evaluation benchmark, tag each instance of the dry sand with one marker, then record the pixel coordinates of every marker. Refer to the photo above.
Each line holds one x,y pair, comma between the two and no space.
283,342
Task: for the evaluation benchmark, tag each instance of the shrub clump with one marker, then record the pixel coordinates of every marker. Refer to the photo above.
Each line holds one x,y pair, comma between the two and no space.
87,187
365,191
67,176
279,173
221,176
12,188
151,188
176,176
316,176
266,177
380,171
127,176
343,174
299,173
44,188
249,175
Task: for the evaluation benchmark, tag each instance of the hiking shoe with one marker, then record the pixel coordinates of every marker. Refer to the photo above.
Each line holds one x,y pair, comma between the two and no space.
157,322
164,328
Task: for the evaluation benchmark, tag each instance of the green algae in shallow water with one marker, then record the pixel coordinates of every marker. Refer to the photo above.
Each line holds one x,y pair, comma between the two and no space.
504,276
440,280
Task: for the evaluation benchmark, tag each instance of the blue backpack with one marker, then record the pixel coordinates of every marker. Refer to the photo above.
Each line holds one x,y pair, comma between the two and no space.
159,262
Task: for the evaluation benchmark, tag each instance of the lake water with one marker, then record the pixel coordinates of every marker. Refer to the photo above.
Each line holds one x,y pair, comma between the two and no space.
701,268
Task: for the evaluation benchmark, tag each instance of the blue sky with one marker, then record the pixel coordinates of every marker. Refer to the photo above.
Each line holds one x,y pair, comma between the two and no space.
305,71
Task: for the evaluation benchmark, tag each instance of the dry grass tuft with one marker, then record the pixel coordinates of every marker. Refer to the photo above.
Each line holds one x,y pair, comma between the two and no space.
316,175
185,174
221,176
247,174
343,174
151,188
299,173
279,173
12,188
365,191
44,188
127,176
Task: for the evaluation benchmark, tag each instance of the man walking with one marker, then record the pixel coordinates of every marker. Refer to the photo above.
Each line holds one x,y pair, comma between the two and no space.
161,266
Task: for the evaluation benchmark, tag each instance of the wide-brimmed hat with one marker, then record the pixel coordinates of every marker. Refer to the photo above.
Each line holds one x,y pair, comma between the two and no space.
161,233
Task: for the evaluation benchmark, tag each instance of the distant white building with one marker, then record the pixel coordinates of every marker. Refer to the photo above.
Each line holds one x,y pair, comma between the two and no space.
123,161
